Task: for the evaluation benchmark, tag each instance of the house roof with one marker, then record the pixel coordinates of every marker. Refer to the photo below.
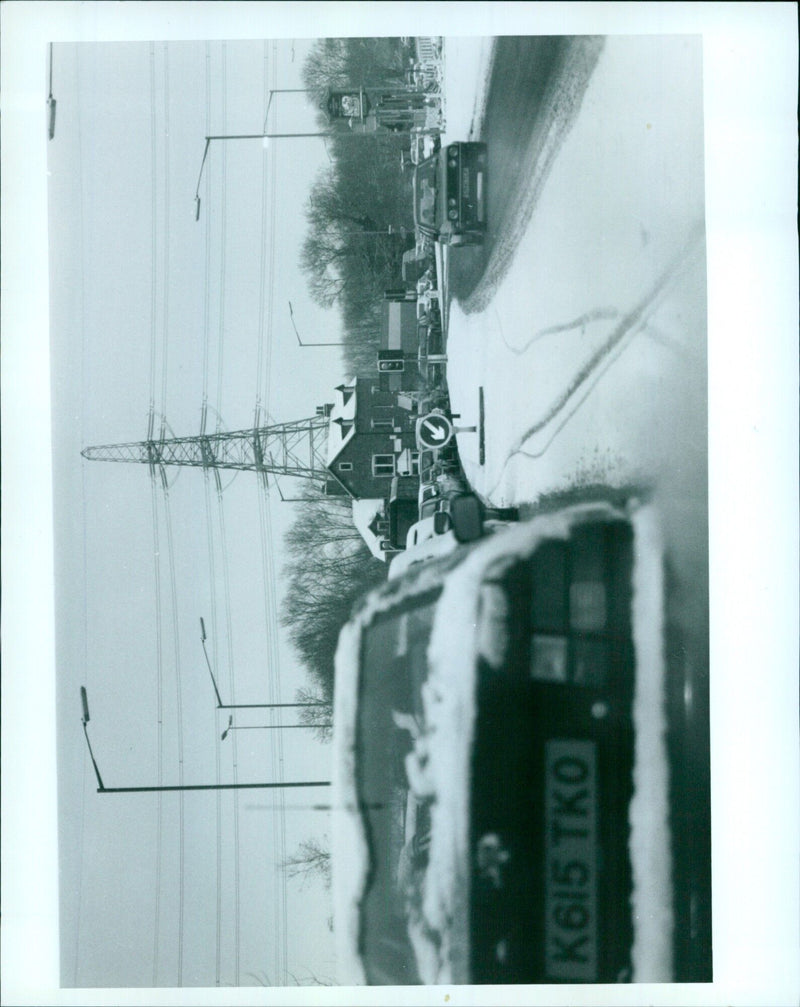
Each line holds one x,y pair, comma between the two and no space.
342,419
364,514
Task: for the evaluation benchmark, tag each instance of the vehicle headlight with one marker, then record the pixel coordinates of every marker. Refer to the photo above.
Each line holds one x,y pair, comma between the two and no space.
491,858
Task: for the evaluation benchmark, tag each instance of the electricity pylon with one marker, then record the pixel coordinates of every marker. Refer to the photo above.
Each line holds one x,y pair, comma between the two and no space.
297,449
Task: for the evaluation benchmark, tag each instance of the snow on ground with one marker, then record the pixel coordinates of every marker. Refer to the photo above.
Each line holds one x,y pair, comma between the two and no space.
592,357
612,259
468,67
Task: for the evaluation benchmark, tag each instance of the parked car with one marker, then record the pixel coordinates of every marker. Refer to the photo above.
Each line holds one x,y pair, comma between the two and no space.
450,194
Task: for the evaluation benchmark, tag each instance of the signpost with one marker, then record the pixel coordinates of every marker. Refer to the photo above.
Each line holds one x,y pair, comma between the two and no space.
434,430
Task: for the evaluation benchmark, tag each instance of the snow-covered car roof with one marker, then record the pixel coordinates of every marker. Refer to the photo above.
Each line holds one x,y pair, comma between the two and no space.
440,934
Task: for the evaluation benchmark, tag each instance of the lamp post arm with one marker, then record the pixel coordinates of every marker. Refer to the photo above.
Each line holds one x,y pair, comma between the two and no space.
274,727
212,786
100,787
265,706
202,165
211,673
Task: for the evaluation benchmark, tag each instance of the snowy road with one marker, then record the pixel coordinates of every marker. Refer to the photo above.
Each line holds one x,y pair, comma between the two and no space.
583,318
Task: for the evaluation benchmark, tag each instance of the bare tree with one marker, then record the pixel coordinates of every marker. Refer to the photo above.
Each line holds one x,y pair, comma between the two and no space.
311,860
319,718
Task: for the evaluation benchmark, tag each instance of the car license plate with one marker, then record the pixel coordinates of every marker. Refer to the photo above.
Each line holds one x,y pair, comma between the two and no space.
570,861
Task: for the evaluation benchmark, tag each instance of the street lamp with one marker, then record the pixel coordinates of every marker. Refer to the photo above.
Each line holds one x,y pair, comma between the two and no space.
257,136
284,90
85,720
101,789
264,727
51,102
242,706
299,340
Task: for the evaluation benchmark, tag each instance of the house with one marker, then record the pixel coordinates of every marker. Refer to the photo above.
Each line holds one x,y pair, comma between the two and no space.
371,439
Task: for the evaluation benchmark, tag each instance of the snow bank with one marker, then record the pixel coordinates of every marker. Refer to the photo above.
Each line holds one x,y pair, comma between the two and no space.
467,72
349,851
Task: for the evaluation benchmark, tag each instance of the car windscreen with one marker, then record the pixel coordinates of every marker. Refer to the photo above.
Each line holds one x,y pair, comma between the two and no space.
425,193
393,669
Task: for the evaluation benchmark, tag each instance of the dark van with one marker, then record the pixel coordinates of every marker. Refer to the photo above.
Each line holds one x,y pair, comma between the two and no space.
450,194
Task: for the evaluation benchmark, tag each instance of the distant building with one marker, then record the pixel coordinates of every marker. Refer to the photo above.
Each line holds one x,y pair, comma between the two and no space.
371,439
369,517
399,332
414,106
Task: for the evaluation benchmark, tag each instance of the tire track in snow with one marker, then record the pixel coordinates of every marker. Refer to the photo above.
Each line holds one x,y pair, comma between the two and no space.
560,107
598,315
606,354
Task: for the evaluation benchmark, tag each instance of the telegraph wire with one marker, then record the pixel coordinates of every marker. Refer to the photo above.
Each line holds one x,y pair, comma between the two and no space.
160,731
179,717
207,271
165,292
84,399
221,514
154,506
232,687
211,557
223,227
267,275
275,662
153,250
168,519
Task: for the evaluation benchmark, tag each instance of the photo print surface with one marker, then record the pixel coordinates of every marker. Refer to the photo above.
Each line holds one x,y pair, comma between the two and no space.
381,510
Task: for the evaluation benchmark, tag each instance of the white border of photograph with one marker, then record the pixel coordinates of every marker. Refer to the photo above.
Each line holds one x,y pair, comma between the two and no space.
750,73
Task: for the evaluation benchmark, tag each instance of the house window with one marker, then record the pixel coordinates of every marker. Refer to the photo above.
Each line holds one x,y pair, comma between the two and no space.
415,463
345,466
383,423
383,465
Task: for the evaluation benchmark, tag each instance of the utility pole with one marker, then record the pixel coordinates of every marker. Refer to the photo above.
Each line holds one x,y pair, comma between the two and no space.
102,789
242,706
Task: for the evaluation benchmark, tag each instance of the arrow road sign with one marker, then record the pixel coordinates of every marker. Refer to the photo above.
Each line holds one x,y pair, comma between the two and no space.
433,431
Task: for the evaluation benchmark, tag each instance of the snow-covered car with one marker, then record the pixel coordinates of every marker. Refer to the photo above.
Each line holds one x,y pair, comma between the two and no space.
507,692
459,517
450,194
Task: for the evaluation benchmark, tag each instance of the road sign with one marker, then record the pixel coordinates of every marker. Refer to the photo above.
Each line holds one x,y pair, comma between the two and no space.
433,431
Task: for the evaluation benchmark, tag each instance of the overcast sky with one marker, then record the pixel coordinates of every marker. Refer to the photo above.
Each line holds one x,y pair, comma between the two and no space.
149,305
753,285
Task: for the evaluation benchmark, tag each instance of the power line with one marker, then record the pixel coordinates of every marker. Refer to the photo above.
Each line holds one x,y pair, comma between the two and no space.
270,172
153,251
210,540
232,688
83,501
223,230
154,506
160,729
179,717
166,235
